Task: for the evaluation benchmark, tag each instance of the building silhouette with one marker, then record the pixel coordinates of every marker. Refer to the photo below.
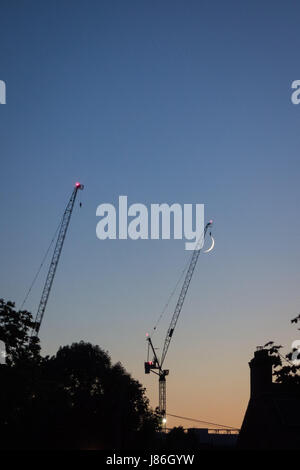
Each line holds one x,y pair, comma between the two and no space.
272,419
214,438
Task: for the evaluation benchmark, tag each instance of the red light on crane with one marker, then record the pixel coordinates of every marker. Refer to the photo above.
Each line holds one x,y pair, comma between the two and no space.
77,185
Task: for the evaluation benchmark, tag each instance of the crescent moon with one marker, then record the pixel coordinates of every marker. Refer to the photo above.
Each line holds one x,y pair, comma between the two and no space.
212,245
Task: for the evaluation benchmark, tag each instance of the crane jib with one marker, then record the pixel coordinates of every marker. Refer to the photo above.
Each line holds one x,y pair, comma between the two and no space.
182,295
55,259
155,364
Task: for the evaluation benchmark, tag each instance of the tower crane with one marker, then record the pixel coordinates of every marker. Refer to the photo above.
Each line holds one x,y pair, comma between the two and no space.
55,259
156,365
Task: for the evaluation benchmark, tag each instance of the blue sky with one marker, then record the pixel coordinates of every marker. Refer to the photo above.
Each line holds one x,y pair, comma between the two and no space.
166,101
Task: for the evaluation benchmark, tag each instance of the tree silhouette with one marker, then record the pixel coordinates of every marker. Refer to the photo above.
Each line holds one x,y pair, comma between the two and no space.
76,399
289,372
178,439
15,332
102,405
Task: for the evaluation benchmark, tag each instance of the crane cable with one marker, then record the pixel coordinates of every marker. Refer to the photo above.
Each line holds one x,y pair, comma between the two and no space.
42,263
169,299
203,422
285,359
172,294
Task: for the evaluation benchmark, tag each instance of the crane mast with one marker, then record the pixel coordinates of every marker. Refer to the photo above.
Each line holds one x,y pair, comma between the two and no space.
55,259
156,364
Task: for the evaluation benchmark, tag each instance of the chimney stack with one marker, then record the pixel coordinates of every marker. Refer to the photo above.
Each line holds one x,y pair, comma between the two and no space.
260,372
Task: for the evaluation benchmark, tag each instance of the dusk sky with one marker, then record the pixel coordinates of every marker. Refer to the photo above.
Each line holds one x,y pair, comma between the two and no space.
162,101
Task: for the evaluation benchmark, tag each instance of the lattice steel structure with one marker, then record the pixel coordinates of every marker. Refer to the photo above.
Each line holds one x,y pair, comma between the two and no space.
157,364
55,259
